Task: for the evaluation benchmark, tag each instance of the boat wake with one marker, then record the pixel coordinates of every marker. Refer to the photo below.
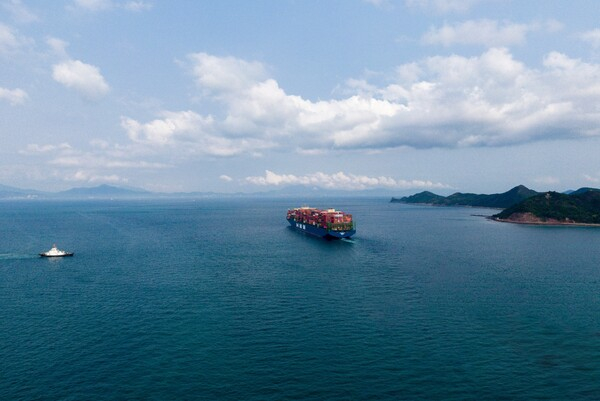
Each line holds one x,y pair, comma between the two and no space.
16,256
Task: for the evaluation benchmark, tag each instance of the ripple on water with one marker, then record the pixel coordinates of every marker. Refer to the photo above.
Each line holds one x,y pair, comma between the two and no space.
422,304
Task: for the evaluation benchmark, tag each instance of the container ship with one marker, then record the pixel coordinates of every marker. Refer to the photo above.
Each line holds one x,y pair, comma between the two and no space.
328,223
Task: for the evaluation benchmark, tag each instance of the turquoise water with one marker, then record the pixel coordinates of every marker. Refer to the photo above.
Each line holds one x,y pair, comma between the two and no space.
222,300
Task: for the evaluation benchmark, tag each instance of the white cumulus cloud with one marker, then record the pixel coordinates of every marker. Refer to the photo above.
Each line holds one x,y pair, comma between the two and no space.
258,107
224,75
339,180
444,101
13,96
191,132
84,78
173,125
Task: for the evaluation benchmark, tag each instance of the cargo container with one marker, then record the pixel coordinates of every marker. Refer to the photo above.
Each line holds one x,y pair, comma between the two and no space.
324,223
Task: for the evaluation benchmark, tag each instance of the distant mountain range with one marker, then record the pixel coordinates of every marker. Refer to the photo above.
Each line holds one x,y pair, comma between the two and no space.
500,201
103,191
100,192
12,192
114,192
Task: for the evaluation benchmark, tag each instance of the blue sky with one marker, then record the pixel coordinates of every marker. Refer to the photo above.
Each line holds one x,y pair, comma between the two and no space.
227,96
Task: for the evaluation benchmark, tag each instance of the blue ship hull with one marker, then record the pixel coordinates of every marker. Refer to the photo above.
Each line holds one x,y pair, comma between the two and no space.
320,231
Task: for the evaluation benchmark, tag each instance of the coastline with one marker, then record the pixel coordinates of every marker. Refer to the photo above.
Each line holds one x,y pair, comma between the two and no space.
442,205
545,223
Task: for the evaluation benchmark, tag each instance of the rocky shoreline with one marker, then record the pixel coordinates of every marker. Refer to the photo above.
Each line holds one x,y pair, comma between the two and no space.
531,219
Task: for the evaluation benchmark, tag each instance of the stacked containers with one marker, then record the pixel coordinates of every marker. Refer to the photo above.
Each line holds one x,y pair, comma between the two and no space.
329,219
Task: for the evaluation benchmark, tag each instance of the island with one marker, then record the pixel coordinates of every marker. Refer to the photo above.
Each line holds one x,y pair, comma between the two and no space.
581,207
498,201
524,206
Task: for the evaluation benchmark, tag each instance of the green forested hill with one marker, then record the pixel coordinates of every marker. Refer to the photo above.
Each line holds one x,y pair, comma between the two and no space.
553,207
502,200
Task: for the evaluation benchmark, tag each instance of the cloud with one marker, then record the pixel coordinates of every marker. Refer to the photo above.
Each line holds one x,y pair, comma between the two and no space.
93,5
340,180
548,180
225,75
58,46
225,178
11,40
592,37
191,132
443,101
102,157
480,32
137,6
13,96
34,148
93,177
377,3
486,32
163,131
594,179
20,13
442,6
258,108
102,162
84,78
104,5
552,25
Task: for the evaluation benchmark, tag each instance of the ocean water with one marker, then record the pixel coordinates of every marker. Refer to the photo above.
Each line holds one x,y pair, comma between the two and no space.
221,300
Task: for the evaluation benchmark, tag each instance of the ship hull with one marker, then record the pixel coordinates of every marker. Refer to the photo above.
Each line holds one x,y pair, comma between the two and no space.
320,231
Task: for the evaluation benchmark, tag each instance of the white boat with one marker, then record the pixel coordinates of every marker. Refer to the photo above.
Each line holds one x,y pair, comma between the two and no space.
54,252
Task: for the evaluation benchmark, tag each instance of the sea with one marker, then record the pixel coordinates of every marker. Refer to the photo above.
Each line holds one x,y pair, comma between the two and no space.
219,299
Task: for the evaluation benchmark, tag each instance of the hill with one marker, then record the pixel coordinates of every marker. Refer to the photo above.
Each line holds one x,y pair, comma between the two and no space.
425,197
583,190
7,192
98,192
580,207
111,192
500,201
102,191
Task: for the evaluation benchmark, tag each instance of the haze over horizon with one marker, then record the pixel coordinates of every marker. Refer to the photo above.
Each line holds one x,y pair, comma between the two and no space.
408,95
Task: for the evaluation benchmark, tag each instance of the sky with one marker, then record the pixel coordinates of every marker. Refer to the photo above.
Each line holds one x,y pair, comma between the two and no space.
246,96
